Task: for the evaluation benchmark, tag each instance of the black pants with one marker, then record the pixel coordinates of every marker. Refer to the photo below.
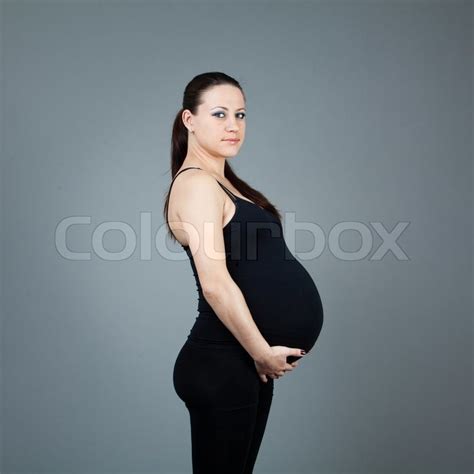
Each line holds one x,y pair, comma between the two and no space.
228,406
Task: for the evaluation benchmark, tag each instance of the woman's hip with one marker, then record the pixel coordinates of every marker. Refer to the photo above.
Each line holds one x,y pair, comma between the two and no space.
214,375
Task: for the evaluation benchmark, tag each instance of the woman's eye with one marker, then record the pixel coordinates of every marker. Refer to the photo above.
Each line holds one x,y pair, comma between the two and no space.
242,114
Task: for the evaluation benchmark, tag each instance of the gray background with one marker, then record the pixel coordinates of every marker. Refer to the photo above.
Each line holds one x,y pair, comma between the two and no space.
356,112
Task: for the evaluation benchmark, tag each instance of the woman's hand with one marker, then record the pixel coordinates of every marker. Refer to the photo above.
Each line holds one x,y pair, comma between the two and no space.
274,364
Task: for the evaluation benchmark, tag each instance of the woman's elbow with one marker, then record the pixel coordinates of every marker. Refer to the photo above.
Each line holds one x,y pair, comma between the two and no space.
215,288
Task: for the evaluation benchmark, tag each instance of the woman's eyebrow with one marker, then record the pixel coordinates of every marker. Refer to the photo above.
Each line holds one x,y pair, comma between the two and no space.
225,108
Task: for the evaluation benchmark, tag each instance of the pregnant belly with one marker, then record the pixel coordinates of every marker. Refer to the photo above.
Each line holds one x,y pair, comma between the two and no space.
286,306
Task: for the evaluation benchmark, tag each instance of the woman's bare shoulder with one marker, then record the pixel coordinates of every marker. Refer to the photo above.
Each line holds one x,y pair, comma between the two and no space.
192,188
192,182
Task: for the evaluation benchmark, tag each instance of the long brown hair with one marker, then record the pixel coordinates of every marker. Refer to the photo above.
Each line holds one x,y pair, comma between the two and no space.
192,98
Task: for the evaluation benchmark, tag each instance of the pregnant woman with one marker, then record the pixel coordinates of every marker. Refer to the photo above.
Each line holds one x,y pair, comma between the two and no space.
259,310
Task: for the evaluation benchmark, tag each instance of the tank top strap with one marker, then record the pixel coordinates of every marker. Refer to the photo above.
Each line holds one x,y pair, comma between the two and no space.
184,169
228,191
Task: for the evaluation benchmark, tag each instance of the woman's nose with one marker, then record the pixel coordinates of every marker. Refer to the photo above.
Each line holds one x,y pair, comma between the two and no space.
232,126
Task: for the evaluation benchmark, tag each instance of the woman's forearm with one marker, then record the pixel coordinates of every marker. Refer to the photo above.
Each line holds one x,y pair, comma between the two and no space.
228,302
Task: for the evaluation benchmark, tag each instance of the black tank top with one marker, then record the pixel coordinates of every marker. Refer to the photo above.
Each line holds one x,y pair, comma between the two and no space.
281,295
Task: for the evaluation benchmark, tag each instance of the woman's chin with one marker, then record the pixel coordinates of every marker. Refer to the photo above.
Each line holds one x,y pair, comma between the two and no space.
230,154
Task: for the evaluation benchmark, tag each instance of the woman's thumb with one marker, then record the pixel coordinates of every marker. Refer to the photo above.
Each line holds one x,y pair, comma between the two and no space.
298,352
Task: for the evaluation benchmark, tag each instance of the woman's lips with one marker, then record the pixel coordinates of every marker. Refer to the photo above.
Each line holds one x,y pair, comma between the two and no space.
231,140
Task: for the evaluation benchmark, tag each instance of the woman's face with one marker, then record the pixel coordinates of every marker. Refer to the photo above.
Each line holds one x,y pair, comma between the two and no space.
221,116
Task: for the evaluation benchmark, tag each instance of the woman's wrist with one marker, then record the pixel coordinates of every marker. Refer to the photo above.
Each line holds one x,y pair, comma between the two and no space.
262,353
